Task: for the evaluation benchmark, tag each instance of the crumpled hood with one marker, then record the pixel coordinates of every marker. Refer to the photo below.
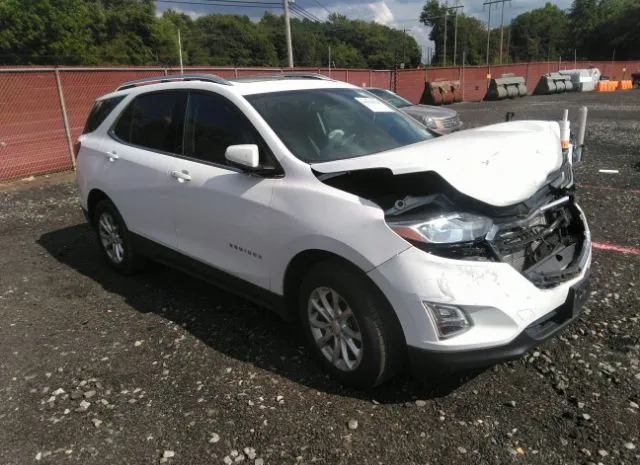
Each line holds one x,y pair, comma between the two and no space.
501,165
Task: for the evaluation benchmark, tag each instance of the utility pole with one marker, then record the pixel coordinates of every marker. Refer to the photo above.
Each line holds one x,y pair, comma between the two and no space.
404,33
447,9
490,3
508,43
180,52
287,32
446,12
455,33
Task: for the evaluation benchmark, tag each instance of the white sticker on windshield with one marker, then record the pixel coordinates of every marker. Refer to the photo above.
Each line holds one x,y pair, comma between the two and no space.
374,105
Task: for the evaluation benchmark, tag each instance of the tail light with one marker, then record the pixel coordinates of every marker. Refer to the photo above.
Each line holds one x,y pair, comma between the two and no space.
76,149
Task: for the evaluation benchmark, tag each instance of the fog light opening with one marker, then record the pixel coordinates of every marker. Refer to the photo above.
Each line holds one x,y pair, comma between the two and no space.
449,320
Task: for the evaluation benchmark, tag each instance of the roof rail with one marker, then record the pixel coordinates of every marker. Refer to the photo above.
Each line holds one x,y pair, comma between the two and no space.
283,75
303,75
175,77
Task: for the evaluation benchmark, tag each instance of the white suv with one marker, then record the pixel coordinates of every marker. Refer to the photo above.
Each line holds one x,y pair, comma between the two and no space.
385,242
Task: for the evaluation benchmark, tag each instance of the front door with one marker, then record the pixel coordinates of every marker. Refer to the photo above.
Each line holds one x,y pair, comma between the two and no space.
221,213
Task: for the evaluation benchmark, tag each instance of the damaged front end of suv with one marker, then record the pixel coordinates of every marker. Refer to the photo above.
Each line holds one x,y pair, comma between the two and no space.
543,238
501,250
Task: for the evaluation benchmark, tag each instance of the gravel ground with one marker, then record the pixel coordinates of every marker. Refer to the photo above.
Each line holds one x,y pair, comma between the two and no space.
160,368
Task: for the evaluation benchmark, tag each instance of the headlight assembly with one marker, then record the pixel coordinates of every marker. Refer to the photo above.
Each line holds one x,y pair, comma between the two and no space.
445,229
430,123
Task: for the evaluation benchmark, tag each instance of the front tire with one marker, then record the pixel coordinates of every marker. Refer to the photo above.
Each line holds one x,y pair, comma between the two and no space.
114,239
349,326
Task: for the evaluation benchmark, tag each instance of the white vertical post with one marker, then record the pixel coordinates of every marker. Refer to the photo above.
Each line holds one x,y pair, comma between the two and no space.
65,119
287,32
329,60
501,31
180,52
455,40
445,37
488,37
463,58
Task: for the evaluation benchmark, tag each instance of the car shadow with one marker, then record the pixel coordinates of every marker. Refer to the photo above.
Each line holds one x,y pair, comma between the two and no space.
227,323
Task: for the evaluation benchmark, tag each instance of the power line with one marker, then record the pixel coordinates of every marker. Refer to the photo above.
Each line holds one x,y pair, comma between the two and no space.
306,13
296,13
259,2
300,16
322,6
225,3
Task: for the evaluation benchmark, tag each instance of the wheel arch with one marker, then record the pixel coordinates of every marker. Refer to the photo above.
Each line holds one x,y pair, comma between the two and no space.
94,198
304,261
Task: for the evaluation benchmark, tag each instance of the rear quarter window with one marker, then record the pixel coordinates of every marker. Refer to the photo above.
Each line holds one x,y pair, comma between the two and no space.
101,109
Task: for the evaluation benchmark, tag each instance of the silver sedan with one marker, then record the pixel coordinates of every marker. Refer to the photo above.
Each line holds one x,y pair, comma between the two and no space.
438,119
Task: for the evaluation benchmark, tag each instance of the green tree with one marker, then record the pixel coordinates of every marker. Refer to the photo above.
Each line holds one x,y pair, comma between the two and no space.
41,32
472,35
235,40
540,34
128,32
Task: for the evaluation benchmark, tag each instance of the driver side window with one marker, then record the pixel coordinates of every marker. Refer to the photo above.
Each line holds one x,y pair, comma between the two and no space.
213,124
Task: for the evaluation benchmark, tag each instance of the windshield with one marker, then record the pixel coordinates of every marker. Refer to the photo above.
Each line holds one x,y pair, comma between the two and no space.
319,125
390,97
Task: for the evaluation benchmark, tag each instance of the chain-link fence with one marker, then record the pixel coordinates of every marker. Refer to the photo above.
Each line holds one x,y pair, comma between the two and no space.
410,83
43,110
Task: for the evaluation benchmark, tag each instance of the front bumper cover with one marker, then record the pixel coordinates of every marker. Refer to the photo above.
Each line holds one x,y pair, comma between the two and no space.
423,361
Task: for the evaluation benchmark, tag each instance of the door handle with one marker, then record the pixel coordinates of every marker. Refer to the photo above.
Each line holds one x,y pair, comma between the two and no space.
113,156
181,176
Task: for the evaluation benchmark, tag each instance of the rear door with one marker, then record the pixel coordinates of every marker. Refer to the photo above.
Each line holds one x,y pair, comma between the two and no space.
222,214
92,165
146,136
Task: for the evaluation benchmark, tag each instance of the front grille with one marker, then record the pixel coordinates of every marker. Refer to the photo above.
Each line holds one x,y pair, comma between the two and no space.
451,122
543,248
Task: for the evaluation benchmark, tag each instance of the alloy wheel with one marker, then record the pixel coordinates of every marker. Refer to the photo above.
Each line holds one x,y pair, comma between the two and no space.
111,238
335,329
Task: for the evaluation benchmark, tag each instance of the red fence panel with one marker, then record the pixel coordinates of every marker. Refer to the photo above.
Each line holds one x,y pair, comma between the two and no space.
32,134
82,88
358,77
381,79
410,84
32,137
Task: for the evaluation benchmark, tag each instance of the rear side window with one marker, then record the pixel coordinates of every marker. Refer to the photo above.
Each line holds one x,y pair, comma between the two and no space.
154,121
101,109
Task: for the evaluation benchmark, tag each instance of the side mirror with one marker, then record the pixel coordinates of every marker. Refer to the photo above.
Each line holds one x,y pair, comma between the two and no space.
244,155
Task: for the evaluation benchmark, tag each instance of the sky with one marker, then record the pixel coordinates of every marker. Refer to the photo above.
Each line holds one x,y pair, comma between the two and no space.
401,14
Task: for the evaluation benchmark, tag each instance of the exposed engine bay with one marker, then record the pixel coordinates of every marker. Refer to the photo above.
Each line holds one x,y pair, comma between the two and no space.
543,238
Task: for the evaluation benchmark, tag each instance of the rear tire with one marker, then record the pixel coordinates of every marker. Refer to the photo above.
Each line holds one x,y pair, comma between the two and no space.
114,239
349,325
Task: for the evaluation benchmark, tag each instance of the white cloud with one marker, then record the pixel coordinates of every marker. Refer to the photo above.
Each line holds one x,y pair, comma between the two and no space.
194,14
383,14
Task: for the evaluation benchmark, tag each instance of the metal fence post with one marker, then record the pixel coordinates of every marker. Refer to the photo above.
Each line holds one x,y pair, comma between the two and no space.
370,78
235,72
462,85
65,120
